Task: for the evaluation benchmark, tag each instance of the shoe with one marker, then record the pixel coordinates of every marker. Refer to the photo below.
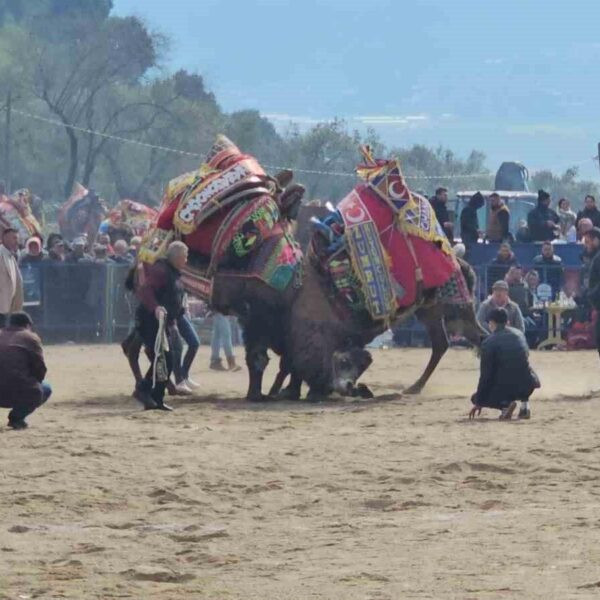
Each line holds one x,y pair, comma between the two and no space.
182,389
18,424
217,365
233,367
165,407
144,399
191,384
525,413
507,413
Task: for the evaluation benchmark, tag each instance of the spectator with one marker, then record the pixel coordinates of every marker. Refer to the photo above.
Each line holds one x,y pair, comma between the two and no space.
11,282
543,221
590,211
567,219
520,293
221,336
500,299
549,266
469,222
101,255
134,246
532,280
22,370
104,240
583,227
547,257
78,251
439,203
592,294
56,248
505,256
121,254
506,375
498,229
33,252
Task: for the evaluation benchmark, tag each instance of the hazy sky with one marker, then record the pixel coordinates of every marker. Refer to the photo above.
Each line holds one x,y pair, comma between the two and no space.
518,79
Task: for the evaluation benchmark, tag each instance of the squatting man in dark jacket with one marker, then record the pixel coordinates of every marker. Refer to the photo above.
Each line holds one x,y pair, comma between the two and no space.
22,370
506,375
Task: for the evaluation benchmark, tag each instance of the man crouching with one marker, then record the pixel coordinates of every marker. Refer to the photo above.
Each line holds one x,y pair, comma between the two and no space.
22,370
506,375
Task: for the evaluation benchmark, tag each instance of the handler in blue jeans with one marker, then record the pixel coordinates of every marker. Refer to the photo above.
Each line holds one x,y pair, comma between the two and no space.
183,363
221,337
22,370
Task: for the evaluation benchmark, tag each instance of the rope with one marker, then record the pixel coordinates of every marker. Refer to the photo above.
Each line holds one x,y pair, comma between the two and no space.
159,345
124,140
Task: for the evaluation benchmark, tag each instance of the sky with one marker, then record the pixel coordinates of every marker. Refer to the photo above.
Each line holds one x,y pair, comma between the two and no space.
516,79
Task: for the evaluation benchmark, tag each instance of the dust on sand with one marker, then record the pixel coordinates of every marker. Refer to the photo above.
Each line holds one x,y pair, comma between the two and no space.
399,497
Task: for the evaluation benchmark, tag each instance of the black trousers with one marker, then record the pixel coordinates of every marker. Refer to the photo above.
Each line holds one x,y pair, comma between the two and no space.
148,330
21,409
499,398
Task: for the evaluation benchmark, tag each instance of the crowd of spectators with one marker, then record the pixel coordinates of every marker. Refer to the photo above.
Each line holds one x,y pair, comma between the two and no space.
59,250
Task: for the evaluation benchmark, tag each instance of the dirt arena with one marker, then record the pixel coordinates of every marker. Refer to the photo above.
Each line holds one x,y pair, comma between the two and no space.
394,498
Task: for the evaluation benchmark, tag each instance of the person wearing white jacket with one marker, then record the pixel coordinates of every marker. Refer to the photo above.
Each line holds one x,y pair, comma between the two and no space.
11,282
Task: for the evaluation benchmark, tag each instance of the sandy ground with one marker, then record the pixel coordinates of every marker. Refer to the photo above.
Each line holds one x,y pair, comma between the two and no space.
399,497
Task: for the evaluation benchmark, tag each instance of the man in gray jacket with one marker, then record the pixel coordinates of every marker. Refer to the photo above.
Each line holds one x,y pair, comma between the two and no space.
500,299
506,375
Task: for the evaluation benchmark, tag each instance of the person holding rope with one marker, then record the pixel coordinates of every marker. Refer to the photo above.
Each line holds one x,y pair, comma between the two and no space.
161,295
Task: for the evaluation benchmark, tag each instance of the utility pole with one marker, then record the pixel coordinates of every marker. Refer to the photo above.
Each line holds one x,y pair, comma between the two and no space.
7,141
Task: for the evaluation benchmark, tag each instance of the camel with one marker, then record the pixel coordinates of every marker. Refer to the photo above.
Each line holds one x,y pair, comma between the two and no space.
321,320
81,214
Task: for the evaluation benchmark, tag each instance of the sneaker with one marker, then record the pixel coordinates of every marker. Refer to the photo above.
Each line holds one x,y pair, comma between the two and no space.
525,413
182,389
191,384
163,406
18,424
507,413
217,365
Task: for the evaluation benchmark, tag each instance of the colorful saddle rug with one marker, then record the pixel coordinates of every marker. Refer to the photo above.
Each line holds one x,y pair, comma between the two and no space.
226,212
16,213
385,243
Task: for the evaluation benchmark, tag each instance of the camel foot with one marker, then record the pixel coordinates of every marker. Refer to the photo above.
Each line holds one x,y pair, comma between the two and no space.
259,398
414,389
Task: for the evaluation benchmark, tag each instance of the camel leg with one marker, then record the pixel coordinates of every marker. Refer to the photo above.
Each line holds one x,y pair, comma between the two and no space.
439,345
132,346
257,360
280,379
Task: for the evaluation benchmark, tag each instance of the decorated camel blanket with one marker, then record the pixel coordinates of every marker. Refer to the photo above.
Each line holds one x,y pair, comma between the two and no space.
227,213
385,242
16,213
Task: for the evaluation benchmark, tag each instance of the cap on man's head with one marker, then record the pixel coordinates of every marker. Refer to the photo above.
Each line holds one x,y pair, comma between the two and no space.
498,316
500,285
20,319
441,190
594,232
80,241
543,195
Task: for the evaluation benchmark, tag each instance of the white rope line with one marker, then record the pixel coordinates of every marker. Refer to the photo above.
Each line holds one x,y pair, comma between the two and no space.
271,167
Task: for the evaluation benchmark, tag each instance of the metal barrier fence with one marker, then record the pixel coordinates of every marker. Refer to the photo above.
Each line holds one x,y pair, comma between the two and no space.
78,302
86,302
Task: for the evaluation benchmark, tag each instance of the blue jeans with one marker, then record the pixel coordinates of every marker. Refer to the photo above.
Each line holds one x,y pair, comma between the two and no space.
181,368
221,337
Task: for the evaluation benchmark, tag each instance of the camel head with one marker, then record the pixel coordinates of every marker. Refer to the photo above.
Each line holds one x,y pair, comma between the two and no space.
347,367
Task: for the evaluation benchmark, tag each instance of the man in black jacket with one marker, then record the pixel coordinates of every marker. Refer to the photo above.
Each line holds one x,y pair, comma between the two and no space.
543,221
439,203
590,211
506,375
592,294
469,222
